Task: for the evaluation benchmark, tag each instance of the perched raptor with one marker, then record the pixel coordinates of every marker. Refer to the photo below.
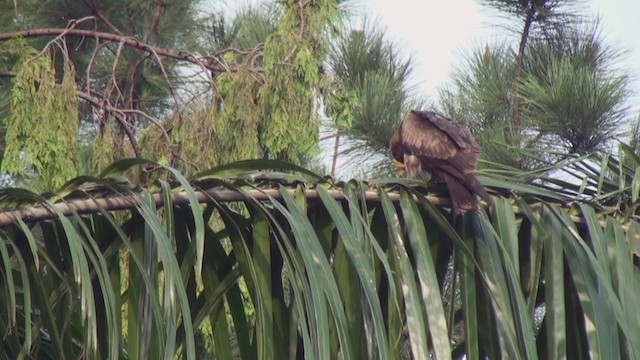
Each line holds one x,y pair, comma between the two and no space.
427,142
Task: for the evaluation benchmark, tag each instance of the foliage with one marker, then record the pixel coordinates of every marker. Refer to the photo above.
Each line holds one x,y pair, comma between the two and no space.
116,83
347,270
570,97
571,93
273,260
244,85
481,96
367,94
43,124
239,118
292,60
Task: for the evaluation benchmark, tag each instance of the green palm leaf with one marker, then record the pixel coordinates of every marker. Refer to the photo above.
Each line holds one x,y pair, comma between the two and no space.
319,270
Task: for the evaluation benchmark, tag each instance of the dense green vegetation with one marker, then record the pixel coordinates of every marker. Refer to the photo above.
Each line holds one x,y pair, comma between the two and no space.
199,253
293,265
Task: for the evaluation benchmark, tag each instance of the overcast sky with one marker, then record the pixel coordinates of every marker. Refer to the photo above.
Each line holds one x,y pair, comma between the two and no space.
439,34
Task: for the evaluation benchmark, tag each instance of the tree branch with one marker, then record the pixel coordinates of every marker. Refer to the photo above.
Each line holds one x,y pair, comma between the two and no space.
207,62
155,20
89,206
118,114
100,15
516,114
334,161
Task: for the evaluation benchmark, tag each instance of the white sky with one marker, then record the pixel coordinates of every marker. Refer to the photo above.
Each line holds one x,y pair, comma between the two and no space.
440,33
434,33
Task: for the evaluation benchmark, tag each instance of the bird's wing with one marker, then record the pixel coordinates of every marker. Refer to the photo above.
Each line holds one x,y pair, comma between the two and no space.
395,144
423,138
461,163
460,135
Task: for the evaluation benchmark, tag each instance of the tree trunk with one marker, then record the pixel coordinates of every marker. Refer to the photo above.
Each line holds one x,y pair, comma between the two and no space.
516,116
335,155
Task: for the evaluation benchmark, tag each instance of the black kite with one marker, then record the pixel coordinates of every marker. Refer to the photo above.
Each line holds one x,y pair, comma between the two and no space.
429,142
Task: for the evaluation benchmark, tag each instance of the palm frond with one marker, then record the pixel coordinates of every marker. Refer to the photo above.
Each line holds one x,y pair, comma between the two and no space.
279,264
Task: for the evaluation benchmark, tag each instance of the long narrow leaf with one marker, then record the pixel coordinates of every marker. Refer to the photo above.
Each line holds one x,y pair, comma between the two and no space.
431,296
416,322
363,268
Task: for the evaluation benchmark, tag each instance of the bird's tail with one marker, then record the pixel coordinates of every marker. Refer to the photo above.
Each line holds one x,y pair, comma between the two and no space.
479,189
463,196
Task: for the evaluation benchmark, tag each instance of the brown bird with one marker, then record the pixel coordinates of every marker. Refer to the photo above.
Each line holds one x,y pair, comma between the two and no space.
427,142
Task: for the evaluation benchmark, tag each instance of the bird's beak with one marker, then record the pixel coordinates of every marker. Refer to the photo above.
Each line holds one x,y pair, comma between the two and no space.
399,167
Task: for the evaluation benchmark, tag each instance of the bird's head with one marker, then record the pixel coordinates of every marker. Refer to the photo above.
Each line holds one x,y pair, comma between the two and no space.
399,166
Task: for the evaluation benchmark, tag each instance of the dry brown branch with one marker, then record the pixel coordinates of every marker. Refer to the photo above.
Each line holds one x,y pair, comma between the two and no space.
94,54
327,137
301,4
113,82
128,41
131,100
72,24
118,115
100,15
153,119
165,75
110,24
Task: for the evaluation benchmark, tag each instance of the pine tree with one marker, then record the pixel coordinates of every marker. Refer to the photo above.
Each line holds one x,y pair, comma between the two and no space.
561,96
367,96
